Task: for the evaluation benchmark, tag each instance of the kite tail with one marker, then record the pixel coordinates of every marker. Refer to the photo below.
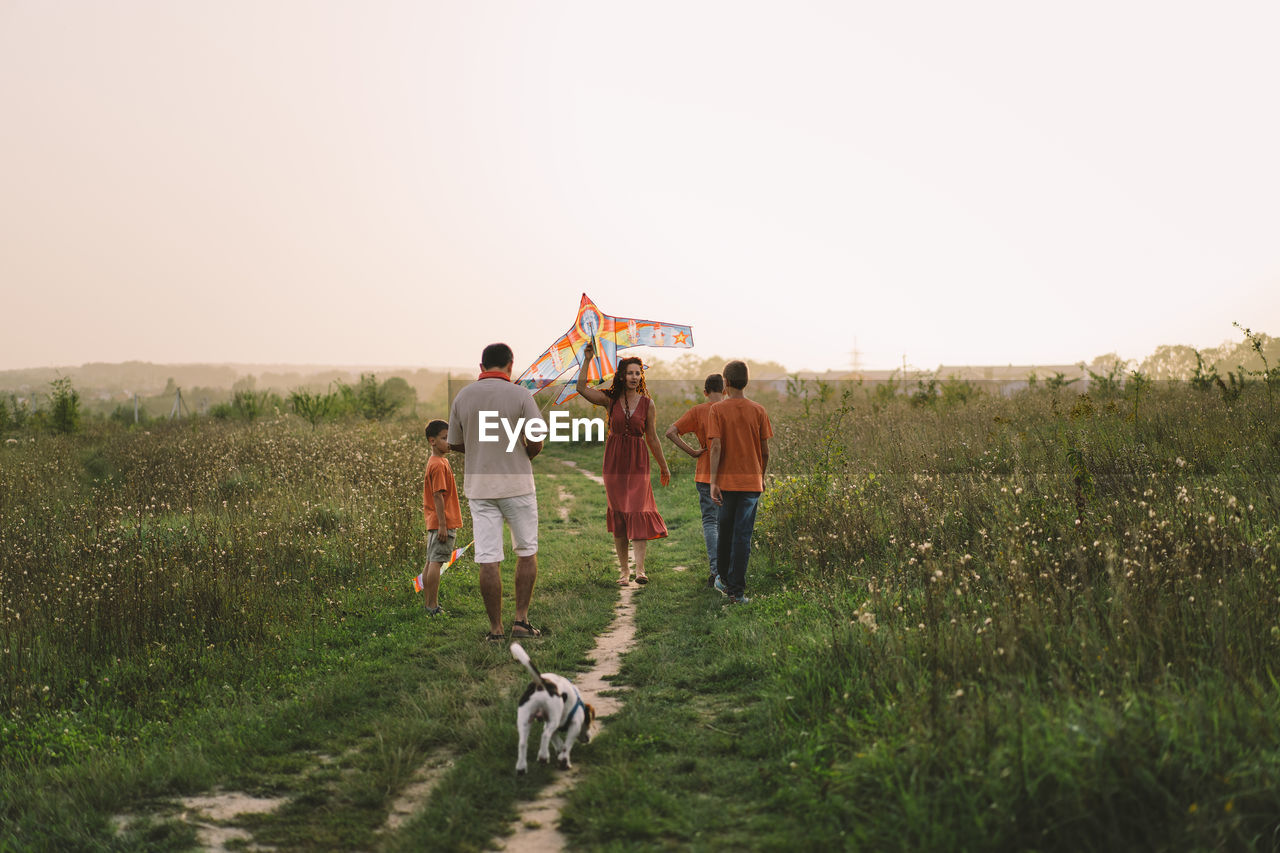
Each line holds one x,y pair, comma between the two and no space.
453,558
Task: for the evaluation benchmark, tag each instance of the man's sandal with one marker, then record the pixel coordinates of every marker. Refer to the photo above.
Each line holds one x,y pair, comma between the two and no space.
524,630
495,638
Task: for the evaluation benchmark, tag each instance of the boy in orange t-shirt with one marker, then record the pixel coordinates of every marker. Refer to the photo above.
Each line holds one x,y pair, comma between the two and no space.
441,511
695,421
739,430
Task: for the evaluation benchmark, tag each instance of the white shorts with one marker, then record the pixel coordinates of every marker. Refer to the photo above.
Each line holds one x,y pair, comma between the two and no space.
521,514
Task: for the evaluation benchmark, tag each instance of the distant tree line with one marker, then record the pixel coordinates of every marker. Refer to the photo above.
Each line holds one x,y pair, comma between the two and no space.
60,409
1227,368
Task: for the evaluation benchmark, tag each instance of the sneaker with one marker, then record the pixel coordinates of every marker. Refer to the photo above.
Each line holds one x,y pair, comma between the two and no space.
719,585
435,611
739,599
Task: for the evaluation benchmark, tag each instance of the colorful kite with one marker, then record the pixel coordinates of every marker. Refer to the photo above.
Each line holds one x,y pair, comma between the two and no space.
559,365
453,558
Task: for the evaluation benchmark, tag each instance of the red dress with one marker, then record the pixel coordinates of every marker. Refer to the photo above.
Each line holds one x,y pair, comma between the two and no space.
632,512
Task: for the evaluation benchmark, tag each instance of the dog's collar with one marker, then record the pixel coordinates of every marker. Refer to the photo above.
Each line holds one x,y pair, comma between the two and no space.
569,719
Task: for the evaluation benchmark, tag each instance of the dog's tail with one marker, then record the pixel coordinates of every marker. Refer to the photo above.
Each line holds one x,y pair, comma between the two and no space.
518,652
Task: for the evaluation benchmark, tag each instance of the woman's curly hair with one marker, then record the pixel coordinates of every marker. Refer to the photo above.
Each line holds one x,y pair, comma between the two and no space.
619,386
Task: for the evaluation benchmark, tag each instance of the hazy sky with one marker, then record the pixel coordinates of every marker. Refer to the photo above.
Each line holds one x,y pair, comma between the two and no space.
400,183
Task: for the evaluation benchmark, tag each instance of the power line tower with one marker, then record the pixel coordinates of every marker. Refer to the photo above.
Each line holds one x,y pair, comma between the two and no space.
856,359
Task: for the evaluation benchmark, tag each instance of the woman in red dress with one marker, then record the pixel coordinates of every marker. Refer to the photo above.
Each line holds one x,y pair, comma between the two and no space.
632,515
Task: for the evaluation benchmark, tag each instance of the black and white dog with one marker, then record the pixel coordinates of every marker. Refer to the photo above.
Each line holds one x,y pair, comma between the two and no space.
554,700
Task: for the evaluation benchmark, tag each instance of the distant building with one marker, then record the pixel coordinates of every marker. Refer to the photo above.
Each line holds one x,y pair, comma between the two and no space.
997,379
1009,379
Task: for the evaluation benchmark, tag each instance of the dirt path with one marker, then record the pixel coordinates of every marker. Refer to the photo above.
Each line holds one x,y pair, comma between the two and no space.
215,814
535,827
595,478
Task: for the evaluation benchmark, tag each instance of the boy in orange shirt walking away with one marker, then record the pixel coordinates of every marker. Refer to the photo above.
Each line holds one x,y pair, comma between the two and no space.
739,430
441,511
695,421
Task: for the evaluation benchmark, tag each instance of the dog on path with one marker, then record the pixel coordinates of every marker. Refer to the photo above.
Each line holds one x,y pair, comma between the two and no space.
554,700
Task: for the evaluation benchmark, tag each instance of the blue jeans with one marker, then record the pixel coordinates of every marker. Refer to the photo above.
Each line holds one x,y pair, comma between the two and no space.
737,523
710,524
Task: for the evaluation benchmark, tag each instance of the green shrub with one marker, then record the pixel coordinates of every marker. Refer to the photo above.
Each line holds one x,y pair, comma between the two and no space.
373,400
314,408
19,412
64,408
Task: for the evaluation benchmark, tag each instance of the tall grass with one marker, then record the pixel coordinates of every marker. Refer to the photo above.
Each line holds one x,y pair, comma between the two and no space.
1041,622
150,551
1061,613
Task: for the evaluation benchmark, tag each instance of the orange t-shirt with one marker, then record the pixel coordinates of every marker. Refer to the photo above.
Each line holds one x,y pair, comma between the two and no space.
695,421
741,425
439,478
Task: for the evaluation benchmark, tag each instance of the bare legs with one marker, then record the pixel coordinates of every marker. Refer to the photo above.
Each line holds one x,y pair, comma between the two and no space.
620,545
491,590
526,575
431,585
625,549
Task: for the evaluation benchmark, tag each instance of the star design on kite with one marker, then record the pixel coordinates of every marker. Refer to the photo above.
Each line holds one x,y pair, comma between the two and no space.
681,338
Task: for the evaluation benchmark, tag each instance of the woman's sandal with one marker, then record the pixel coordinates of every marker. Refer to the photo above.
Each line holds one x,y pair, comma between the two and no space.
642,579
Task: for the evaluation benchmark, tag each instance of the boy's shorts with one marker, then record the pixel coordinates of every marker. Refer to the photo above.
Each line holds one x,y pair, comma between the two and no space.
439,549
521,515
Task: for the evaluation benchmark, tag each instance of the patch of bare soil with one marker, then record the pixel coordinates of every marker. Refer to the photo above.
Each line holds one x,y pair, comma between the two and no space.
595,478
211,813
419,790
564,496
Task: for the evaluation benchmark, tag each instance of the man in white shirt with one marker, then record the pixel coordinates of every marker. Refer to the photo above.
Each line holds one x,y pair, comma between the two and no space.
498,481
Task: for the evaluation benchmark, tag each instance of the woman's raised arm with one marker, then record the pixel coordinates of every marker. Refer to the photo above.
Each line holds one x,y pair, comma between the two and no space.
594,395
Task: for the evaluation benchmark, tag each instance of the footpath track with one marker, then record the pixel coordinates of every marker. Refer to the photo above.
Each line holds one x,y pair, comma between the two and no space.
217,815
534,830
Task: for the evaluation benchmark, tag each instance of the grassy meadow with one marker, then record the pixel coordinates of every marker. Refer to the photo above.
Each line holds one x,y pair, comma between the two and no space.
1041,622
